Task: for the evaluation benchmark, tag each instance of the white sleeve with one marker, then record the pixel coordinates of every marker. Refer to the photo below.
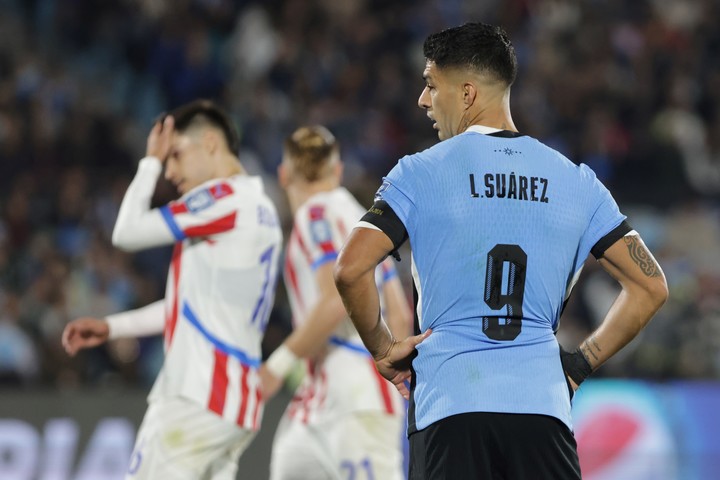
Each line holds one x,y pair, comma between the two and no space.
139,227
142,322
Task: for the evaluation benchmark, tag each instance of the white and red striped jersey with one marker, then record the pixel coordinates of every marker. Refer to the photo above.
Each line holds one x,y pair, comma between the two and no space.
345,380
220,286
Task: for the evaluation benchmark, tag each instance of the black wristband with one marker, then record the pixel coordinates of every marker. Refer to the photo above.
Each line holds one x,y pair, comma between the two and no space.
575,365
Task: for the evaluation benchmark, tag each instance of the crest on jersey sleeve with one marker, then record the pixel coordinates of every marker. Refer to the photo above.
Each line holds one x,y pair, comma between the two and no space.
379,194
207,197
199,201
320,231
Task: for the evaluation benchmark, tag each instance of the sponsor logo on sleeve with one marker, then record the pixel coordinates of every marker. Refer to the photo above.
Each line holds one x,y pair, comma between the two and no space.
379,194
320,231
200,201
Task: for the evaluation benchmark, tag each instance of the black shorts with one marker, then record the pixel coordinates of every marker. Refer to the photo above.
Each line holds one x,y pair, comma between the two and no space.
494,446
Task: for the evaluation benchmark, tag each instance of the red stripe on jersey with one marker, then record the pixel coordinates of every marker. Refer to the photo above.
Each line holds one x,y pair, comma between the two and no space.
384,386
171,321
178,207
328,247
258,408
244,390
222,224
310,392
216,402
341,228
302,246
317,212
295,404
322,391
221,190
291,276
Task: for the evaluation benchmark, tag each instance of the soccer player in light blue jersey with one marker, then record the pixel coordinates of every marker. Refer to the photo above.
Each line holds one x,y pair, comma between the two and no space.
499,226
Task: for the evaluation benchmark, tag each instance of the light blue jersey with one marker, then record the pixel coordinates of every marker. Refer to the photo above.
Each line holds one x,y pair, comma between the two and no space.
499,226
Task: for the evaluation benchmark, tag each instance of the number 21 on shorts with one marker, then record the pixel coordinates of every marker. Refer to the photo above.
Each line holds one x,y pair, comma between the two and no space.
361,470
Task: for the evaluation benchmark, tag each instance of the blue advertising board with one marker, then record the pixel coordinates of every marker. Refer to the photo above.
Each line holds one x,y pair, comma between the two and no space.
648,431
625,429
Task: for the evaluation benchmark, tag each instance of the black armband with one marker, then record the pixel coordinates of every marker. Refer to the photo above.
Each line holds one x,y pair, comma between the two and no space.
383,217
598,250
575,365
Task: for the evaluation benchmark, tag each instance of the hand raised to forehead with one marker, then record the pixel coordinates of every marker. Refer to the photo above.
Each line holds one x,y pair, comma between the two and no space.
160,138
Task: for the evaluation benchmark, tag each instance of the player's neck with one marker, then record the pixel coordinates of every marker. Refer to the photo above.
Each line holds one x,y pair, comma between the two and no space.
228,166
300,192
493,113
499,120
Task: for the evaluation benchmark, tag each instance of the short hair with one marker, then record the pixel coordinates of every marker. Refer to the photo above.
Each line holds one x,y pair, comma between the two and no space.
206,112
485,48
311,150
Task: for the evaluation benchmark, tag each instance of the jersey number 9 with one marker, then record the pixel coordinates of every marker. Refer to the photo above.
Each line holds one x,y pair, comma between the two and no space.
505,273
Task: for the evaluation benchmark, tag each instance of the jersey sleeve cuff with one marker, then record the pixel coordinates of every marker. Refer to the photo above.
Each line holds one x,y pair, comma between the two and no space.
613,236
150,165
177,232
328,257
384,218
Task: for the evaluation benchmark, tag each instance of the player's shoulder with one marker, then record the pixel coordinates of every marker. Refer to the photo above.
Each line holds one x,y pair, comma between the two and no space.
242,188
251,185
324,205
424,166
238,189
436,154
206,195
559,161
414,167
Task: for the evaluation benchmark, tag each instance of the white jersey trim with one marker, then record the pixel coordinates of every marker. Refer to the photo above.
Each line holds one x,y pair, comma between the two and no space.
482,129
364,224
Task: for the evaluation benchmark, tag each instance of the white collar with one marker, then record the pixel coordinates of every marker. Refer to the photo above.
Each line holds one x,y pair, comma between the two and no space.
482,129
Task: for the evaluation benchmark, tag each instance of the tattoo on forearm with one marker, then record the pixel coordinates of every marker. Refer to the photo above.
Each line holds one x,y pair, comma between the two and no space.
589,348
641,256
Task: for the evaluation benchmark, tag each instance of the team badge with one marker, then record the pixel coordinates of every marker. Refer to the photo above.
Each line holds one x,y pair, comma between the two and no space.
200,201
381,190
320,231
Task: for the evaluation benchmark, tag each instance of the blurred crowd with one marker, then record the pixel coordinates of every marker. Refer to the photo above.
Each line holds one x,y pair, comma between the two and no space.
630,88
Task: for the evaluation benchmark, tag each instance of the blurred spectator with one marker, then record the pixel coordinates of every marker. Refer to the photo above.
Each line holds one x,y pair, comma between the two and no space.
18,354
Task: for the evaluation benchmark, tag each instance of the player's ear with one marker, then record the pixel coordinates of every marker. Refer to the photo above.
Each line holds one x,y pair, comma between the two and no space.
210,141
283,175
469,94
338,170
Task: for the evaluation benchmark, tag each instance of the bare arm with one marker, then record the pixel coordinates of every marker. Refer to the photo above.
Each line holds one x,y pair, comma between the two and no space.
644,291
308,339
355,280
398,314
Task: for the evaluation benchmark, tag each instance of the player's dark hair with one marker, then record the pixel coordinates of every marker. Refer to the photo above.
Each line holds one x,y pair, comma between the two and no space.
207,112
485,48
311,150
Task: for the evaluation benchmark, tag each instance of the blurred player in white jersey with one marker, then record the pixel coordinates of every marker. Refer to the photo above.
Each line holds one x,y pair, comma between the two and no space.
345,420
206,403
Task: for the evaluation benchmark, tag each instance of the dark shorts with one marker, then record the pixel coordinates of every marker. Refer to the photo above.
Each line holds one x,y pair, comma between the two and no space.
494,446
